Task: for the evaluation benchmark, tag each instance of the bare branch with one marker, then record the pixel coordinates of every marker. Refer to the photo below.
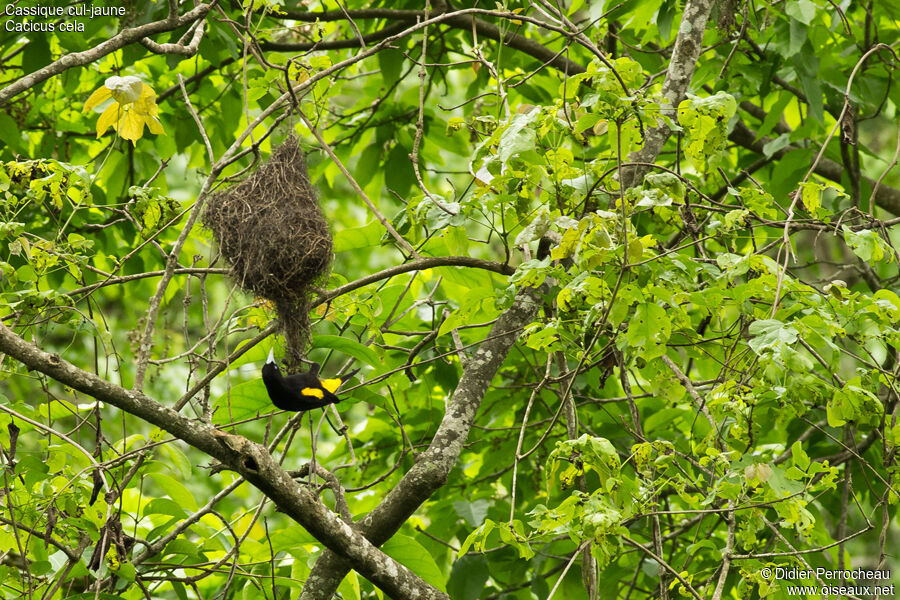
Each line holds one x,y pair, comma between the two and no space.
688,44
249,459
182,49
404,245
433,466
120,40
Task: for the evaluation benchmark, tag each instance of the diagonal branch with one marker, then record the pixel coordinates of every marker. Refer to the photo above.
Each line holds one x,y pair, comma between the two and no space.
428,262
464,19
177,48
688,45
886,197
433,466
120,40
249,459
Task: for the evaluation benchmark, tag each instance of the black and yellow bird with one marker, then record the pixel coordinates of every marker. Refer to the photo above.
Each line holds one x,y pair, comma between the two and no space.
301,391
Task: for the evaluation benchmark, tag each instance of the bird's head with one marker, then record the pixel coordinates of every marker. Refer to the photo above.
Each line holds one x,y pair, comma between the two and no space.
270,362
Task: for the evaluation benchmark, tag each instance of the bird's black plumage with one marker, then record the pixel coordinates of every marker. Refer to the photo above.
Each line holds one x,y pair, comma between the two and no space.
301,391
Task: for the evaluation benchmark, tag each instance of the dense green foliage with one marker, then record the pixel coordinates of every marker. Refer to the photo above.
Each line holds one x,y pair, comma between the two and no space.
710,387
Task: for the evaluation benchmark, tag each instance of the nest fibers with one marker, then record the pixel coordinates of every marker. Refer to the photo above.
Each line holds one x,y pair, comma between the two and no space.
271,231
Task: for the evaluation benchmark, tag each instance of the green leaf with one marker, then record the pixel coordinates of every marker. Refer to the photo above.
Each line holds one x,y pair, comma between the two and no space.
243,401
290,538
866,244
770,334
473,512
468,577
758,201
664,18
182,546
774,114
175,490
348,346
734,218
391,64
893,435
37,53
164,506
777,144
409,552
514,536
518,137
126,571
854,403
799,456
10,133
590,452
539,225
806,63
356,238
398,170
477,538
781,484
587,121
802,10
668,183
811,195
457,240
649,330
349,587
705,121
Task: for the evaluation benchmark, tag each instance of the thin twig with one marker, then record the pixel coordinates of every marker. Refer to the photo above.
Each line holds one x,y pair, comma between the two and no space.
362,194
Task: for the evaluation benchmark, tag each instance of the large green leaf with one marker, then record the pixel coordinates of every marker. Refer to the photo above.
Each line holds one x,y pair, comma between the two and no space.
349,347
649,330
409,552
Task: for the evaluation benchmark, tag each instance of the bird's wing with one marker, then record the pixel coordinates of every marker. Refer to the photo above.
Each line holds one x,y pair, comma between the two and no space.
331,384
298,381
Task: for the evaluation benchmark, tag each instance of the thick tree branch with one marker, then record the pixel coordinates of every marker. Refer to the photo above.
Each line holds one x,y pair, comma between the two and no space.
429,262
517,42
688,45
310,16
120,40
249,459
189,49
433,466
465,20
375,36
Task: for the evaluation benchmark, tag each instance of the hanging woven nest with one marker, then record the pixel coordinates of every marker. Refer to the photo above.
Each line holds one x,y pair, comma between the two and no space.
272,233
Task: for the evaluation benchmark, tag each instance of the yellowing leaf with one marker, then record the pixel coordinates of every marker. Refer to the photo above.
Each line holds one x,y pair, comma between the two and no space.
131,126
811,195
155,126
108,118
135,106
100,95
319,62
635,250
146,103
568,244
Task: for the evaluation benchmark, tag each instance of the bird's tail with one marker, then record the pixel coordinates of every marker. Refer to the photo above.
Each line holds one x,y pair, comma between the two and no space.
348,376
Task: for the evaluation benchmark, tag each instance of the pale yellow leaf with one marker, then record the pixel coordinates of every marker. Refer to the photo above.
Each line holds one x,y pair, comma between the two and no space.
146,104
108,118
100,95
131,126
154,125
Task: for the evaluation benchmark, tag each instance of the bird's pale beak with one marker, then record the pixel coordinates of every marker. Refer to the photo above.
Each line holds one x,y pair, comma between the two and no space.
271,359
